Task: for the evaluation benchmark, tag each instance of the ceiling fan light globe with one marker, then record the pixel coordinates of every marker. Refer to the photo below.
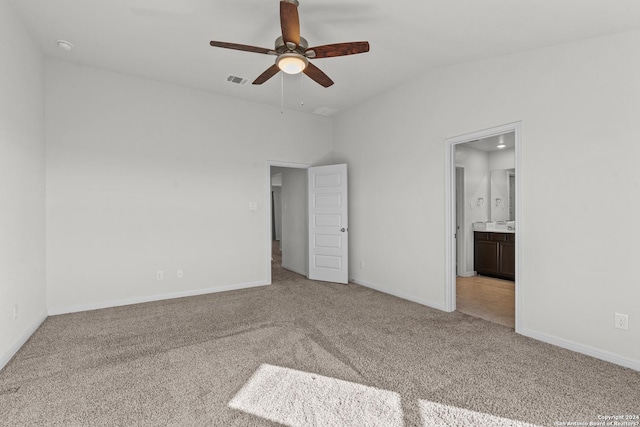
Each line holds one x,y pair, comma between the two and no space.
292,63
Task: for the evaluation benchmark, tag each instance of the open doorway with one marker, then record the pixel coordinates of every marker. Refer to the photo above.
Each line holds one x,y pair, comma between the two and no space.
483,251
314,227
288,245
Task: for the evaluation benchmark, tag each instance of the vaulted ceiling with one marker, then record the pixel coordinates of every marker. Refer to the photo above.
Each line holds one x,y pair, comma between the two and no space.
168,40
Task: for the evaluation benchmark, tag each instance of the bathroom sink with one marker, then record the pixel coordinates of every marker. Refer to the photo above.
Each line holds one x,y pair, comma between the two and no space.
505,226
484,226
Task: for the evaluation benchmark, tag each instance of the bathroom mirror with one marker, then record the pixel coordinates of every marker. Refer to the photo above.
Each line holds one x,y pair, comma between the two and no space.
503,195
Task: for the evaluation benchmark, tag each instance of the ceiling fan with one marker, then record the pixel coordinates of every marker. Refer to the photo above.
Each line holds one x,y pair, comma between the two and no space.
293,52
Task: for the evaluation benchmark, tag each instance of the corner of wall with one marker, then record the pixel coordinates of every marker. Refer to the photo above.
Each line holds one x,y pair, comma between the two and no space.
22,339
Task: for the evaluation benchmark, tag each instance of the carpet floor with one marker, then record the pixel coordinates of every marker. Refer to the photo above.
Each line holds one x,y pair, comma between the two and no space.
300,353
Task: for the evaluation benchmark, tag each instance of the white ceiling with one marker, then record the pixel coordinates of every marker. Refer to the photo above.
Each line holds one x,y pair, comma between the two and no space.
491,143
168,40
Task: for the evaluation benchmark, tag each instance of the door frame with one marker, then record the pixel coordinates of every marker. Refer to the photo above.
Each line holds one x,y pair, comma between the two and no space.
267,202
450,212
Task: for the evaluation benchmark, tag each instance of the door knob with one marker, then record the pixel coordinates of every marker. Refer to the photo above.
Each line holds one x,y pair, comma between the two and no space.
343,229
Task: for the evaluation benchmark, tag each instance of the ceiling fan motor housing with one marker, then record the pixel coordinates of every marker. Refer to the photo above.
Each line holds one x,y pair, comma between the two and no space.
282,47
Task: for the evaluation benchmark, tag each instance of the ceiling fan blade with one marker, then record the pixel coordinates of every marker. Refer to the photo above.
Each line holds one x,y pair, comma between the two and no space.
317,75
290,22
269,72
243,47
338,49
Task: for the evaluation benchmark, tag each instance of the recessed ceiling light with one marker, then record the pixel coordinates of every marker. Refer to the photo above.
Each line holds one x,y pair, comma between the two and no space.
64,45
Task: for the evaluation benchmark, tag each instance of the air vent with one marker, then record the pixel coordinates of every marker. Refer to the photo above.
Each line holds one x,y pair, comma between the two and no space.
237,80
325,111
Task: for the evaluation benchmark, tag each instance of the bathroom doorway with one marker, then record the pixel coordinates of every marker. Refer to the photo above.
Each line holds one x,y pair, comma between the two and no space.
483,251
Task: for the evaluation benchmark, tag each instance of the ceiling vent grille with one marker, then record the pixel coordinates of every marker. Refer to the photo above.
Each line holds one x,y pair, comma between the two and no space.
237,80
325,111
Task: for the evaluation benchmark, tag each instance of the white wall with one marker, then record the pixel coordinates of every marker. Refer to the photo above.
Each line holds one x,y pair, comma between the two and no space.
276,179
22,185
476,185
499,200
143,176
578,104
502,159
294,220
499,162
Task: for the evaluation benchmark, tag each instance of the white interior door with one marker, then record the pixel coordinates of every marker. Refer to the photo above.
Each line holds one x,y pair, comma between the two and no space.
328,224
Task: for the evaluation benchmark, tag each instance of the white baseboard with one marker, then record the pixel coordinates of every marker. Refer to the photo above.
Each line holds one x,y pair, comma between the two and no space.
295,270
5,358
54,310
549,339
582,348
469,274
437,306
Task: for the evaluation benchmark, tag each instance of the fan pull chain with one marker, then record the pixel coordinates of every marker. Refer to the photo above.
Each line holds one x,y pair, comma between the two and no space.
301,89
281,92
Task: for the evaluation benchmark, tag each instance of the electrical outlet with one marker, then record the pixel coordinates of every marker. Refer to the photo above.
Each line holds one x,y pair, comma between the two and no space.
621,321
15,312
179,273
159,275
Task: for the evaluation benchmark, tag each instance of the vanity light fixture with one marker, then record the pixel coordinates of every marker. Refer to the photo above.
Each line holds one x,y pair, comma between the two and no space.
501,146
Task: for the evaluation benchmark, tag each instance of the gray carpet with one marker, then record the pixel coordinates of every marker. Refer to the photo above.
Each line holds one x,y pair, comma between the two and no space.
300,353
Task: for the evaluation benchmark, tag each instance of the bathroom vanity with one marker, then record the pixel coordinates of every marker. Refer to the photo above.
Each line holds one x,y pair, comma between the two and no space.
495,253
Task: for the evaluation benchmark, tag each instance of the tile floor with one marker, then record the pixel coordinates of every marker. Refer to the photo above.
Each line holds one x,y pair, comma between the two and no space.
487,298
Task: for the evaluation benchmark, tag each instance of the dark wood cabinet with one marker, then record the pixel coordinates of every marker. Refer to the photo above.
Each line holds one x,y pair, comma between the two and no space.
495,254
